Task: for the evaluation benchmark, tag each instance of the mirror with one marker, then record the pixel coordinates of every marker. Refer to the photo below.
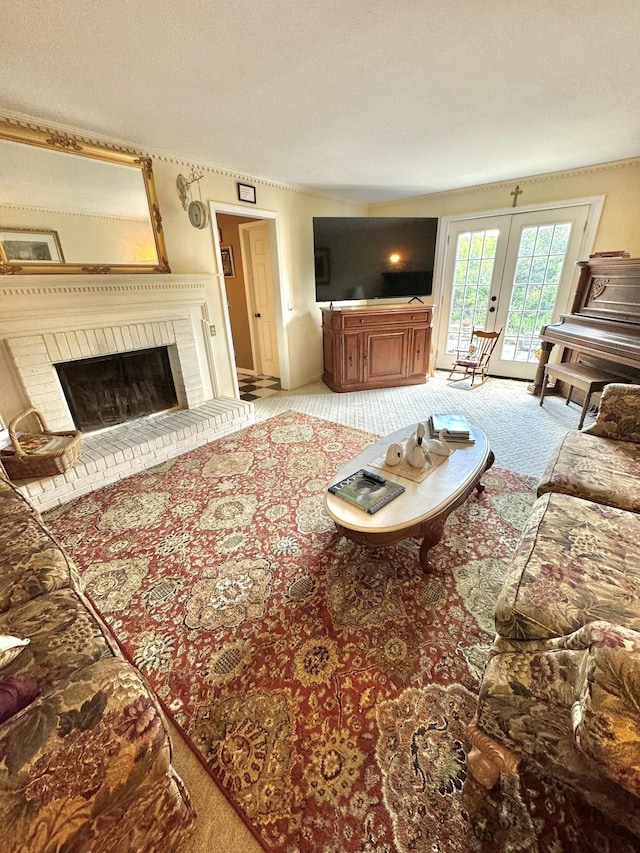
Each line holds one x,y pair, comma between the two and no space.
72,206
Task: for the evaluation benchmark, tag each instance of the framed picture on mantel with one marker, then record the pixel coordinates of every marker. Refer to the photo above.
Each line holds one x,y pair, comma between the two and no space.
28,246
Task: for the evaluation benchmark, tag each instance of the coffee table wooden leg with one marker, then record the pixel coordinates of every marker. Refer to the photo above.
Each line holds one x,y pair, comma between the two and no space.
432,533
491,459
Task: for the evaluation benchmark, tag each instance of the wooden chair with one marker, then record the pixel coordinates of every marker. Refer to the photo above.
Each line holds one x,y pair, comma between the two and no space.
475,361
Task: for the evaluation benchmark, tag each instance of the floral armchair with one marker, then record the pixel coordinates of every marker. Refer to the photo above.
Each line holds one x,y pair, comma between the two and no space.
561,687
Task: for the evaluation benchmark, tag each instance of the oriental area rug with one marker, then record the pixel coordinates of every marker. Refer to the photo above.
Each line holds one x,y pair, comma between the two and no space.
325,685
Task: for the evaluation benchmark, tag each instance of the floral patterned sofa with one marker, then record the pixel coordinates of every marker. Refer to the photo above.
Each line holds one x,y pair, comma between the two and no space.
85,755
561,689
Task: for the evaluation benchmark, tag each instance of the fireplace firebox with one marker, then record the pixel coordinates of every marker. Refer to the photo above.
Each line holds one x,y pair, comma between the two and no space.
112,389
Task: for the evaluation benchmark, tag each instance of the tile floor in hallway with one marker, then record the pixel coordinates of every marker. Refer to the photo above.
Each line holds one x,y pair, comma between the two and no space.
257,387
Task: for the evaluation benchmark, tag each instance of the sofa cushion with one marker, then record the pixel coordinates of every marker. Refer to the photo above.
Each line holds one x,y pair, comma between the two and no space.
527,703
87,767
598,469
31,561
64,635
605,717
576,562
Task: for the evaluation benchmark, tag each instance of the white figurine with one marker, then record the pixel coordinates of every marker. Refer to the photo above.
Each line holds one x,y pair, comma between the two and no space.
438,446
417,456
414,440
394,454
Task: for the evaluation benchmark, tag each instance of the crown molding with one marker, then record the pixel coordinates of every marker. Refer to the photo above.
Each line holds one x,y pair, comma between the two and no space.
88,137
545,177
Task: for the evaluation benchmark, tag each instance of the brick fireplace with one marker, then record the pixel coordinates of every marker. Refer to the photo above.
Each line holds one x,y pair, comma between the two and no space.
46,323
107,390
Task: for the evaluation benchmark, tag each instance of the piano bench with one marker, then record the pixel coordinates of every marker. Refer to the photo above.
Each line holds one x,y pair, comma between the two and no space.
576,375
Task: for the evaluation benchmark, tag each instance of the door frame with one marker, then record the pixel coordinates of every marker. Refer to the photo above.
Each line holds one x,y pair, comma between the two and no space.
272,218
595,203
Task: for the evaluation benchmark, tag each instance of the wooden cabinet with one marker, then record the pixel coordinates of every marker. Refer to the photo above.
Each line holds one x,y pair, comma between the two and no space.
376,346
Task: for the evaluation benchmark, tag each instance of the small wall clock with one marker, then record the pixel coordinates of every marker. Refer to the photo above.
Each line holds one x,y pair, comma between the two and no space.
198,214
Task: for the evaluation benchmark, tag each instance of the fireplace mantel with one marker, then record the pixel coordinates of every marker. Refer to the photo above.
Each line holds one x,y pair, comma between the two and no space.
64,285
48,319
89,315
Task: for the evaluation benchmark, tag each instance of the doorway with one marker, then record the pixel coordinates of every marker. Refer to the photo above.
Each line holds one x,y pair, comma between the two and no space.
514,273
247,250
258,263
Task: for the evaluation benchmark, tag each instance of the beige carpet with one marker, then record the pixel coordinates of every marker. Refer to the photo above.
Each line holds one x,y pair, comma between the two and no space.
218,827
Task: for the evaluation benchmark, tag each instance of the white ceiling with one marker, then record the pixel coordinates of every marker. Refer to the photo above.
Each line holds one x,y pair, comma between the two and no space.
364,99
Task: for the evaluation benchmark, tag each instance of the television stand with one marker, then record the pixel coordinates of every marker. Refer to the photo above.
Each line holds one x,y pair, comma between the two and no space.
376,346
415,299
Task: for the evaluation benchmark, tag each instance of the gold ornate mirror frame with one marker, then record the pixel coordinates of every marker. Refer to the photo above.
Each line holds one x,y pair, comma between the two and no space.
54,140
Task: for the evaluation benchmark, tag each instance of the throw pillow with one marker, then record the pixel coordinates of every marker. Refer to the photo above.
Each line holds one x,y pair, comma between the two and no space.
16,695
618,413
10,647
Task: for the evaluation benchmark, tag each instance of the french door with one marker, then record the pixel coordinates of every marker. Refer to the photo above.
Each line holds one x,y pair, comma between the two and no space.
510,272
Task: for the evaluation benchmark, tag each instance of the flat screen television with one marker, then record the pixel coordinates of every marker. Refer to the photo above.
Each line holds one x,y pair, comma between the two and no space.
373,257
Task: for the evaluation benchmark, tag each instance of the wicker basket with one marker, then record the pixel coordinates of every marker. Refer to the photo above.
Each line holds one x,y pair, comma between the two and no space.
40,454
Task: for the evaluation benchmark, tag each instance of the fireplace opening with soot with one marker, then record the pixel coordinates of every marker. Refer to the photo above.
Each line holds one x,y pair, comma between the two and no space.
112,389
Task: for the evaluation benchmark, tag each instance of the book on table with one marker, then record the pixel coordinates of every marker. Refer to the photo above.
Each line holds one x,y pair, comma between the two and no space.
367,490
456,428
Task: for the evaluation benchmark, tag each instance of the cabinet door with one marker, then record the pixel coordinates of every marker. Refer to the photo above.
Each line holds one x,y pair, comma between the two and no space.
385,354
352,359
419,362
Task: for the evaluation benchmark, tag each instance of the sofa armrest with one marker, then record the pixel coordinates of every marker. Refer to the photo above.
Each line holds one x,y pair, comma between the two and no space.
618,413
606,713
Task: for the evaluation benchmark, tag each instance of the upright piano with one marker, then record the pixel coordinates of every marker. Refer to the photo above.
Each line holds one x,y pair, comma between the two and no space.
603,328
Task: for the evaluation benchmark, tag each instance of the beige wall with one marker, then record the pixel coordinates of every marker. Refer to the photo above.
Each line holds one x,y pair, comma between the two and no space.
192,250
619,182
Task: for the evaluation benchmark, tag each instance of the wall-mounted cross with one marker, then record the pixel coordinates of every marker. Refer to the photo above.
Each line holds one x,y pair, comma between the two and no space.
515,194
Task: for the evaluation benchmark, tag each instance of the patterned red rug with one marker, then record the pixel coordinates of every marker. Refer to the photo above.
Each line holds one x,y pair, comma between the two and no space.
327,686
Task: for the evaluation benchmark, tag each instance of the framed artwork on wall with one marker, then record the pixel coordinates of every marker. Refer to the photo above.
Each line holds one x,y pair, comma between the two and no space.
246,192
29,246
228,267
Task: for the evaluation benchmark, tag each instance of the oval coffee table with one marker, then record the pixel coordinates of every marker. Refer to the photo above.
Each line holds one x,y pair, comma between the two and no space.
422,509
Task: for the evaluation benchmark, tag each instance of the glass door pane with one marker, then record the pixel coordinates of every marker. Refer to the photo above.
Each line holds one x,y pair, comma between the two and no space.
474,266
473,269
538,277
514,273
539,266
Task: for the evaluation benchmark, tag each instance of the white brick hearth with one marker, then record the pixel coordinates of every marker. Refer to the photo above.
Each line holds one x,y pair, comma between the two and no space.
119,452
48,320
